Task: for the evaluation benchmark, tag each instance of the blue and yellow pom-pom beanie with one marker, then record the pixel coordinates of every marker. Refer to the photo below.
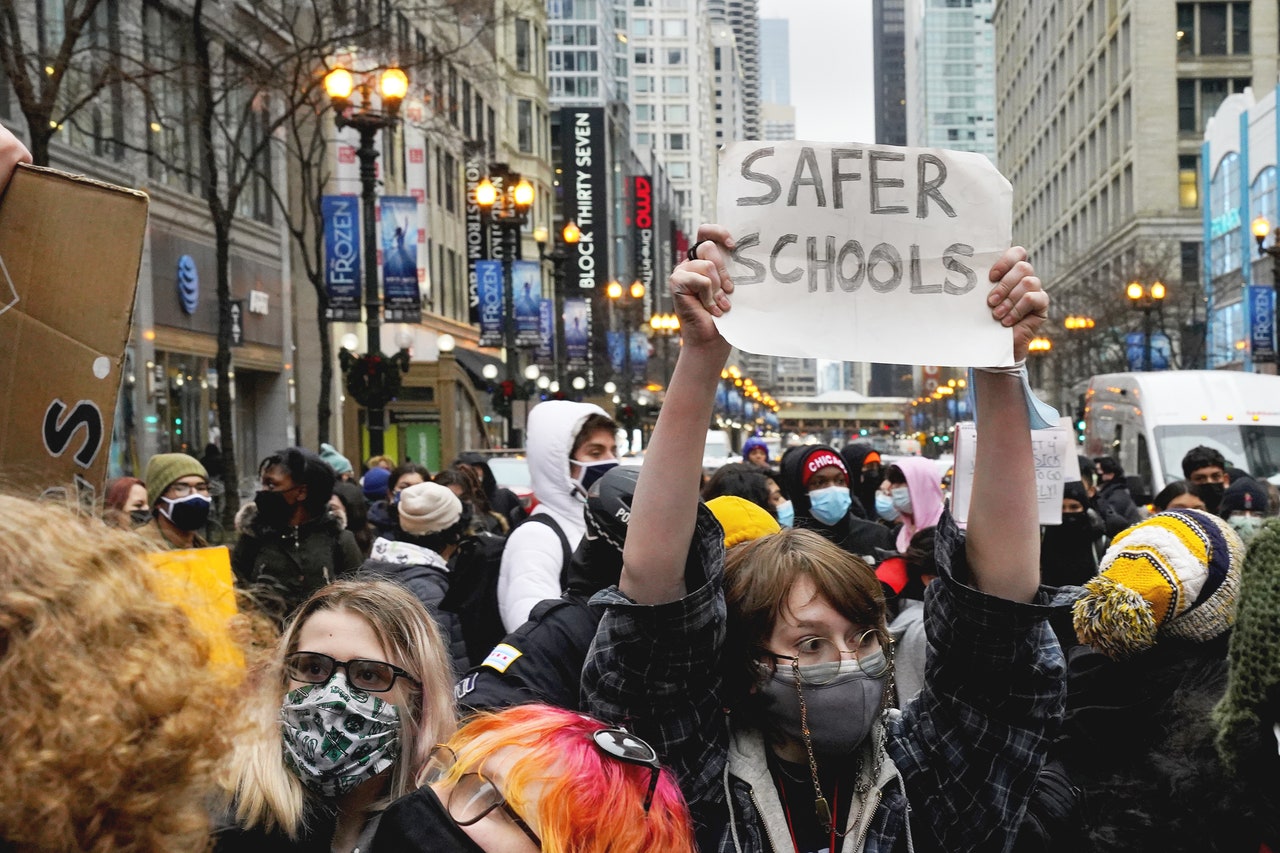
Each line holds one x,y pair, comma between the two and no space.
1176,574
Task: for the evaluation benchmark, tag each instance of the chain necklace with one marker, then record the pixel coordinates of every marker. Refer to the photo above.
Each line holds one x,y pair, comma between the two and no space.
861,787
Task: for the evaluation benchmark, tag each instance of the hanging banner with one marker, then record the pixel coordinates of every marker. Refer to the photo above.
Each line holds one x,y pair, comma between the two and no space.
585,172
342,259
477,236
1262,317
489,296
577,332
526,294
893,244
400,233
544,355
638,358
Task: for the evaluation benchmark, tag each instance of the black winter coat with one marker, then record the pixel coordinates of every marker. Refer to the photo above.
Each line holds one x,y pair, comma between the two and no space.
428,582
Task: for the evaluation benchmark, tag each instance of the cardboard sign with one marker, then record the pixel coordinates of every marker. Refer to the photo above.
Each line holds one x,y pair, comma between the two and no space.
864,252
71,249
1055,457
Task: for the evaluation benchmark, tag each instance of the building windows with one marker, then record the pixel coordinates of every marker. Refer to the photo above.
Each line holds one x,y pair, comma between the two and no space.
642,27
675,28
677,141
1262,196
450,183
1224,194
643,56
1190,259
677,85
677,56
1213,29
678,169
1199,99
1188,181
524,125
644,112
644,140
524,45
643,83
676,113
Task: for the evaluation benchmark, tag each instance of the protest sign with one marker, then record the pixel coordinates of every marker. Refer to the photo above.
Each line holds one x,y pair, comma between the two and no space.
1054,451
864,252
199,581
70,249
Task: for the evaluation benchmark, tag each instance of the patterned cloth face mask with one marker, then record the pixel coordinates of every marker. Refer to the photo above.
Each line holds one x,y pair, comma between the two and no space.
336,737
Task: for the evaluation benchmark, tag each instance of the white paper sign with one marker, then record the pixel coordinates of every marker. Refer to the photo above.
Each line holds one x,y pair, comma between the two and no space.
1052,448
864,252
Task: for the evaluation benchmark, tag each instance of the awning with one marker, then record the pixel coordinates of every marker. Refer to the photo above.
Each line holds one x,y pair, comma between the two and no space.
473,362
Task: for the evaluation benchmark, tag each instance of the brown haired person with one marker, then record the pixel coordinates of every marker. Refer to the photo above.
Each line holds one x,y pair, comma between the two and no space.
789,635
571,445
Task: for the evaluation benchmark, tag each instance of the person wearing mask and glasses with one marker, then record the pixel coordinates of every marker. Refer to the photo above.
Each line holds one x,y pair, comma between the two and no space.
534,777
178,496
349,709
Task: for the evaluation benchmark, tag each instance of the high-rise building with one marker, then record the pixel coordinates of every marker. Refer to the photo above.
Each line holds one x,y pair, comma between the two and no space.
1102,111
777,115
777,122
951,74
587,52
744,17
729,104
887,22
672,85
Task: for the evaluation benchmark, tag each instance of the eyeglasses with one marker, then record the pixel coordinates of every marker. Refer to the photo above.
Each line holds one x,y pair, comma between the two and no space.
817,660
371,676
182,490
473,796
624,746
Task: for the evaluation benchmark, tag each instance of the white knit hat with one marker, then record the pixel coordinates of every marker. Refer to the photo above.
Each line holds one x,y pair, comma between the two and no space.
427,508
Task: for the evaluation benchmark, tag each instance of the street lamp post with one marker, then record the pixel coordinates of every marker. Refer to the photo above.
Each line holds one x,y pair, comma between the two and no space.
1039,347
1262,227
615,293
665,326
1145,299
569,236
510,217
372,380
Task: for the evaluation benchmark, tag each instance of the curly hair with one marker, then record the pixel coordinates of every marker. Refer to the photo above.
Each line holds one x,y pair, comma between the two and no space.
267,794
112,723
586,800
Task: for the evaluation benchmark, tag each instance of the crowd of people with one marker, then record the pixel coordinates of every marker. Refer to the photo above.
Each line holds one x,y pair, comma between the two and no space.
803,654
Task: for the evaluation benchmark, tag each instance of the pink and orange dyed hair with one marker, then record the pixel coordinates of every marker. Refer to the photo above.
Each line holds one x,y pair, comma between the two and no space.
580,799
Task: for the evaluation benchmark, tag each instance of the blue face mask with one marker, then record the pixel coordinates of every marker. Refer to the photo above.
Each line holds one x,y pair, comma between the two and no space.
885,508
831,504
786,514
901,498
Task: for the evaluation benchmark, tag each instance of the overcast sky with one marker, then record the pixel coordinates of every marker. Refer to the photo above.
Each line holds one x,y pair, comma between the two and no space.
831,67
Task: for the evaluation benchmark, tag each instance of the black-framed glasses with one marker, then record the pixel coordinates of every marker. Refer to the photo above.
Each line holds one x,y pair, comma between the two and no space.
186,490
371,676
624,746
473,796
817,660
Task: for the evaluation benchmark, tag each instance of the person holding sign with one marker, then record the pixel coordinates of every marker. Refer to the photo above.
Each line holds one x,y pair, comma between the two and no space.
788,633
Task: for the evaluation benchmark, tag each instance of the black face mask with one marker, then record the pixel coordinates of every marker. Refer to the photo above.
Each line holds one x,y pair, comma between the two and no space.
189,513
1211,494
273,508
420,822
139,517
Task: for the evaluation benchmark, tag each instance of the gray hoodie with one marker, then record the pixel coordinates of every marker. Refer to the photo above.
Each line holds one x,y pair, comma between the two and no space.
533,559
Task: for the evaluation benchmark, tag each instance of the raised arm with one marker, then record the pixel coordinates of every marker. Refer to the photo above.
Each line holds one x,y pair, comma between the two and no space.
12,152
1003,541
666,499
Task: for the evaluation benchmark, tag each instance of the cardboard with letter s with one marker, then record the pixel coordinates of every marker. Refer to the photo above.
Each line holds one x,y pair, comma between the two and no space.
70,251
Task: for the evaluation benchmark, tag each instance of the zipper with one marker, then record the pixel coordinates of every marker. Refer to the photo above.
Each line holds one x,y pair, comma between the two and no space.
862,836
764,829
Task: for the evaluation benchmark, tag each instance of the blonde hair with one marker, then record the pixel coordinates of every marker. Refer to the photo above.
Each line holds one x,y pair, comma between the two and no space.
267,793
113,726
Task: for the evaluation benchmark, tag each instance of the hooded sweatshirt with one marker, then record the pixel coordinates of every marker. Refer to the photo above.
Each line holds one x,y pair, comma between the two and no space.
926,497
534,558
855,535
864,488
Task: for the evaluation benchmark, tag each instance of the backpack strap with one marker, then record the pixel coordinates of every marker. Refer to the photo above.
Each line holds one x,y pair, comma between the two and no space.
543,518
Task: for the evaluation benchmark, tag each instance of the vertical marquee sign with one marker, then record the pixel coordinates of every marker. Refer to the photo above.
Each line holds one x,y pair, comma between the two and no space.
477,239
642,219
582,147
342,259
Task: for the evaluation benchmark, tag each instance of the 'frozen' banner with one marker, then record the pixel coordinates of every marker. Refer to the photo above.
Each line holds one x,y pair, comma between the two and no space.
637,360
856,252
342,259
489,301
400,236
526,294
544,355
577,332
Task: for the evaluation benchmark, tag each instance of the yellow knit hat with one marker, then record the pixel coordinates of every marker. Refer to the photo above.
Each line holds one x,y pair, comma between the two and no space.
1176,574
741,519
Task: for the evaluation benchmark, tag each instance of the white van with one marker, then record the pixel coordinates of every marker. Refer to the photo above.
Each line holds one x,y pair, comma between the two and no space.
1148,421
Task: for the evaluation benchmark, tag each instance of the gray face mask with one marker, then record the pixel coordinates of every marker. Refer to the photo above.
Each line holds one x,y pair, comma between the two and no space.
840,713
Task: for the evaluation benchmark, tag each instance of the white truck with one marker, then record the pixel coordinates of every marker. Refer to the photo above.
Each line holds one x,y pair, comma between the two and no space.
1148,421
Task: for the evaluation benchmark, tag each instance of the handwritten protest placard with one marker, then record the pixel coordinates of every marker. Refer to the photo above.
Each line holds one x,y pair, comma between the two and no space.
1054,451
864,252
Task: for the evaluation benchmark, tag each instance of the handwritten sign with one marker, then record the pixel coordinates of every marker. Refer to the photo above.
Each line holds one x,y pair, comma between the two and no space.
1055,457
864,252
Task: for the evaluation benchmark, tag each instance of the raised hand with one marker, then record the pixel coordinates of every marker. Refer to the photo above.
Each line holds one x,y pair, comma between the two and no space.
700,288
12,152
1018,300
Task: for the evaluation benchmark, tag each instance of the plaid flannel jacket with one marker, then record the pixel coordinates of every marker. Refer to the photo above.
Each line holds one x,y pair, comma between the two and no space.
968,749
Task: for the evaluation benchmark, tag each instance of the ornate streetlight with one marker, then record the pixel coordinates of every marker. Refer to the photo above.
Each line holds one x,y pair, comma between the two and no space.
373,379
569,236
1146,300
